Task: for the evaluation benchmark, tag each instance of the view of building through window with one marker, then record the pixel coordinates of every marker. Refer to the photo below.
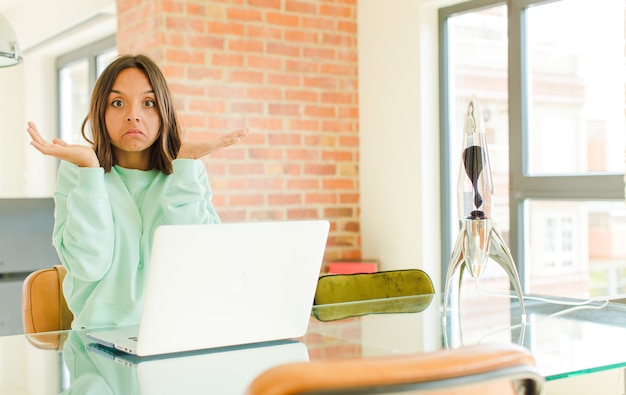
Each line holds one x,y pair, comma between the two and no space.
575,87
77,77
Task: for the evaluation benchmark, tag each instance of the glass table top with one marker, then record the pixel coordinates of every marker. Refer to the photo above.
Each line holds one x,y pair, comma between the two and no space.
567,338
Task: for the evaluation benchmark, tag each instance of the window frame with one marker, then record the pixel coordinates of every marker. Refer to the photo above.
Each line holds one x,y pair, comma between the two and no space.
523,186
88,52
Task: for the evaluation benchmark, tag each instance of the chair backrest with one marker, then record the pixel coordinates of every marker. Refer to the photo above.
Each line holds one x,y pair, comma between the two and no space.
44,308
340,289
483,369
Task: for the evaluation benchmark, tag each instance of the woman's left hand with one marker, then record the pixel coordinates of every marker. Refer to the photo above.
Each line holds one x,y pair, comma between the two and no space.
198,149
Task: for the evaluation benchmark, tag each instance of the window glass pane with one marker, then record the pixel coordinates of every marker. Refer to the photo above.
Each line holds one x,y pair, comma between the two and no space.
576,248
73,100
478,45
576,87
103,60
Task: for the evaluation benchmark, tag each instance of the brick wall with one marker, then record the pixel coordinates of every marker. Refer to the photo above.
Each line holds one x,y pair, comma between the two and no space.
285,69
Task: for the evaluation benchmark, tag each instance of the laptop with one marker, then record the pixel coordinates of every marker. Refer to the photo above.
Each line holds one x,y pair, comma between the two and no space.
222,285
227,370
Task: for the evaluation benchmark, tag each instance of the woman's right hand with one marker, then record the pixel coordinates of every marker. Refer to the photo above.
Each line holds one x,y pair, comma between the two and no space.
80,155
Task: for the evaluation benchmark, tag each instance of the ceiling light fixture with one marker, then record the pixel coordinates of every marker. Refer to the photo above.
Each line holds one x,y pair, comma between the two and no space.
9,50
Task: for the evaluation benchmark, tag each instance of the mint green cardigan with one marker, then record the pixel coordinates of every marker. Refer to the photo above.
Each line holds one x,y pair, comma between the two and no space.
104,224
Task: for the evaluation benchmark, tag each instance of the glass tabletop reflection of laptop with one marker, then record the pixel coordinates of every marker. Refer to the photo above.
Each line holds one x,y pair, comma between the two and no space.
228,284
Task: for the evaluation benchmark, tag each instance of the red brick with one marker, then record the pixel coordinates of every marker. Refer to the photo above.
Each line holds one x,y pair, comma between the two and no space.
320,82
264,32
338,156
276,4
278,48
266,153
281,19
230,28
247,107
246,168
339,126
265,123
285,199
300,36
338,69
320,53
264,93
250,77
247,199
346,198
205,42
263,62
227,59
338,212
318,23
349,141
302,213
304,184
185,56
320,198
302,154
304,125
266,183
174,7
226,91
320,112
284,79
301,66
301,95
275,139
196,73
232,215
267,215
244,14
185,24
338,97
284,109
246,45
347,27
336,11
320,169
192,9
338,183
309,7
339,40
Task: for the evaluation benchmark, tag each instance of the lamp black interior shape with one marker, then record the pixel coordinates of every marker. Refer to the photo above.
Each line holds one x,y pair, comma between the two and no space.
9,49
478,240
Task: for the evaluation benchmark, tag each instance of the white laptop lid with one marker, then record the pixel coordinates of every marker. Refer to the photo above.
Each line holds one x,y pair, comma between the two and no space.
229,284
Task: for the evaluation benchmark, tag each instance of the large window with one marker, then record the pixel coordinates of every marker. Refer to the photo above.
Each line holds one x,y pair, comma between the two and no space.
553,100
77,73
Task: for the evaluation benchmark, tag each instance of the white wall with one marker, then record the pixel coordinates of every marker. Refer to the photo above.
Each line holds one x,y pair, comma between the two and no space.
399,133
45,30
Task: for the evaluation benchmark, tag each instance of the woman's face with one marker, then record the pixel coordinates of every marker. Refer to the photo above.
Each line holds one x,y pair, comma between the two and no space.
132,119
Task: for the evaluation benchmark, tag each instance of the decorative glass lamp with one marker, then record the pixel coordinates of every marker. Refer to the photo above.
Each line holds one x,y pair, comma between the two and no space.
478,240
9,50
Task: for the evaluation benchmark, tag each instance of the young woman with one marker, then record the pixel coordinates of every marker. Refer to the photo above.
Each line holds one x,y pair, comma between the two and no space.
110,197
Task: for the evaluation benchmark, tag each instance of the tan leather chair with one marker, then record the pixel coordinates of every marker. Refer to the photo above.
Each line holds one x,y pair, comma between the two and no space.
484,369
44,308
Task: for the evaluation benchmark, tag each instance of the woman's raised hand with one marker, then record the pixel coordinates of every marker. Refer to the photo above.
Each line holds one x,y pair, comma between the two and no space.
80,155
197,149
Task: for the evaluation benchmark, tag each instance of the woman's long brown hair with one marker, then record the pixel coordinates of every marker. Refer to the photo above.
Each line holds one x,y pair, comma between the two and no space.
165,148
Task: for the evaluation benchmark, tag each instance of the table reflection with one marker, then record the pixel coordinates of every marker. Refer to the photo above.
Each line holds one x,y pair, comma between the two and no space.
88,368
